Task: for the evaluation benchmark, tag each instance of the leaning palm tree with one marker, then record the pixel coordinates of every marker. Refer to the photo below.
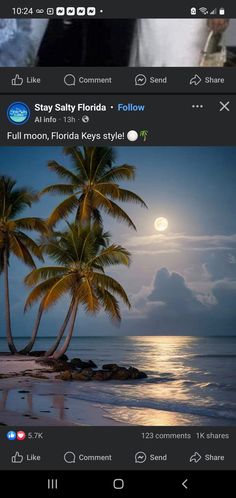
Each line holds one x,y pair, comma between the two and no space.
52,240
79,274
91,186
13,238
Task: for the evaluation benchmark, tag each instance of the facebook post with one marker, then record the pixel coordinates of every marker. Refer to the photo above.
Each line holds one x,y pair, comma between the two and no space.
119,268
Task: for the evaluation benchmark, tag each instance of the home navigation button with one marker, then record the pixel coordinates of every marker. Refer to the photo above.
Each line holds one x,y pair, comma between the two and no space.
118,484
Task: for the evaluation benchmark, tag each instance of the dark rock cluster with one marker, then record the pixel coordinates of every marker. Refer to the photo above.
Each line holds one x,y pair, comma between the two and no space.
76,369
85,371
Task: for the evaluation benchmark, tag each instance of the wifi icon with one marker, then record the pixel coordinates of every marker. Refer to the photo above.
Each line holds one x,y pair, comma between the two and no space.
203,10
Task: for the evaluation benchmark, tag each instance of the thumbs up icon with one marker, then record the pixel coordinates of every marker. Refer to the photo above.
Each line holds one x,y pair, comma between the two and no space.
17,458
17,80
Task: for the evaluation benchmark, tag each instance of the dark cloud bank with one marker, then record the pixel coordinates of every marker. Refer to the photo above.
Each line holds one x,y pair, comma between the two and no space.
173,308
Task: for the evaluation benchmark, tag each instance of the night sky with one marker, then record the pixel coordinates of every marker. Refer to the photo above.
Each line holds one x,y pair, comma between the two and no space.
181,281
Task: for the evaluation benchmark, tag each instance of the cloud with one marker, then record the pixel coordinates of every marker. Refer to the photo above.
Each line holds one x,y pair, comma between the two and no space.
225,294
232,259
221,265
170,306
177,242
171,289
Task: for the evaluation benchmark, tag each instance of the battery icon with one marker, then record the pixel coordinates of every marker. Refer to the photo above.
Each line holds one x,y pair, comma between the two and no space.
222,11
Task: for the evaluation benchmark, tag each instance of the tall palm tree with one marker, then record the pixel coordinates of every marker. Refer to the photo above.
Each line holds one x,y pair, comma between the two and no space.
80,274
91,186
13,238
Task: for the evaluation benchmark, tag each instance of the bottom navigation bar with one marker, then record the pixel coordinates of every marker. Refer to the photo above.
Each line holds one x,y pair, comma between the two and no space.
111,484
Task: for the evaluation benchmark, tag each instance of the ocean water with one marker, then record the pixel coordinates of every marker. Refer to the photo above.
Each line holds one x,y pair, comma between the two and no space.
191,380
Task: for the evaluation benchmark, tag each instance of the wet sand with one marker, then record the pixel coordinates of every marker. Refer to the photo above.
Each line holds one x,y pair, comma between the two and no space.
26,400
30,395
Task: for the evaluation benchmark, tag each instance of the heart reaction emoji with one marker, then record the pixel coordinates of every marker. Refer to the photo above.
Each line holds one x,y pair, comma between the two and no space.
21,435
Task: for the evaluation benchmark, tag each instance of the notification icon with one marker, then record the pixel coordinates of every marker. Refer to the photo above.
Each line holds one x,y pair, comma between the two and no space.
21,435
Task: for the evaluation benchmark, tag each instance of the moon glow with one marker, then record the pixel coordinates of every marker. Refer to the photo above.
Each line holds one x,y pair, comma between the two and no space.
161,224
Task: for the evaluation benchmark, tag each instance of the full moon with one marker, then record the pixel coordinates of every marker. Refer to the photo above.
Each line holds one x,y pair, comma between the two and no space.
161,224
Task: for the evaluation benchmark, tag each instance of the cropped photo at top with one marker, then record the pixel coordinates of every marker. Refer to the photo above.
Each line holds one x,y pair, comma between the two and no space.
116,42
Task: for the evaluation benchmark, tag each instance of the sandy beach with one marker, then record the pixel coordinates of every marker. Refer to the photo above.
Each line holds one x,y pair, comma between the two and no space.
23,381
19,364
190,382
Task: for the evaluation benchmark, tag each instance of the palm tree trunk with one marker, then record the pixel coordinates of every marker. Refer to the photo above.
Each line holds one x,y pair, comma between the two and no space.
10,341
55,345
69,335
30,344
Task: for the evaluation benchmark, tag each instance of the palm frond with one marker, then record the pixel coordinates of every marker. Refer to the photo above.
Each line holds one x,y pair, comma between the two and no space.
113,209
21,198
39,291
7,184
36,224
112,255
96,218
129,196
87,245
63,286
123,172
43,273
59,254
107,188
14,200
20,250
59,189
110,305
110,284
30,244
78,161
103,159
102,238
63,210
85,294
63,172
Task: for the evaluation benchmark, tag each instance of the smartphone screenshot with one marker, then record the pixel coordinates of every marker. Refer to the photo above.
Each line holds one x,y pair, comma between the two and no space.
117,247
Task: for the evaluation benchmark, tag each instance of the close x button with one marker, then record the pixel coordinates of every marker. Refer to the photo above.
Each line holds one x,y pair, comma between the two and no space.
225,106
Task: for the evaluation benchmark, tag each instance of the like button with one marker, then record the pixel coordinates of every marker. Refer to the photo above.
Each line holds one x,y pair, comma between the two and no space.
17,458
17,80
